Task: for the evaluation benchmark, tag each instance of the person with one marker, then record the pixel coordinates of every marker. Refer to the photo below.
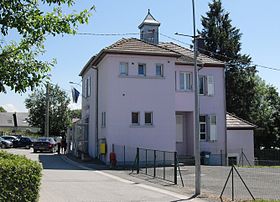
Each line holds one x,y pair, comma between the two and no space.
58,140
63,144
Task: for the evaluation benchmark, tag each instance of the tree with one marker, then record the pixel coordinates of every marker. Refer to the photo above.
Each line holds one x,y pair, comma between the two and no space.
222,41
58,109
20,67
76,113
2,109
247,95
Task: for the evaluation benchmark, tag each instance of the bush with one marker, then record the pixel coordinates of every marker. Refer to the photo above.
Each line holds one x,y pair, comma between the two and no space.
19,178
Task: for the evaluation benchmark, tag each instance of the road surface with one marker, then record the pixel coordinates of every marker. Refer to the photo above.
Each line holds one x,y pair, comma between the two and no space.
66,181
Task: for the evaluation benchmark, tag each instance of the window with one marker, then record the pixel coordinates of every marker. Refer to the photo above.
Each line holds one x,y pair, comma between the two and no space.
202,82
148,118
202,127
159,69
135,118
185,81
142,69
124,68
103,119
88,86
206,85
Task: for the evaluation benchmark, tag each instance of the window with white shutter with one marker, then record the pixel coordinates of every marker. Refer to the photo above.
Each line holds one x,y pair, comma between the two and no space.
212,127
210,86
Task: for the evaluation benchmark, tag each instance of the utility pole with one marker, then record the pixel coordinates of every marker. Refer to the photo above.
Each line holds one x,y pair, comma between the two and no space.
196,111
47,118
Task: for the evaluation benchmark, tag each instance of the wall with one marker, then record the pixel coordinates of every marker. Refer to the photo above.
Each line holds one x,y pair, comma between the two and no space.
241,139
119,96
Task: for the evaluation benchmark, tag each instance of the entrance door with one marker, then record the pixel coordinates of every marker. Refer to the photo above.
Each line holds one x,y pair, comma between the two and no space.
179,128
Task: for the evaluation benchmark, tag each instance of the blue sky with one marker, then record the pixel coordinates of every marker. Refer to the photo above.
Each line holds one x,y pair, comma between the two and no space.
257,20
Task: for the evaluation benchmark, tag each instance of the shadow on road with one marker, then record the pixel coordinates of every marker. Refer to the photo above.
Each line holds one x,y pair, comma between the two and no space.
55,161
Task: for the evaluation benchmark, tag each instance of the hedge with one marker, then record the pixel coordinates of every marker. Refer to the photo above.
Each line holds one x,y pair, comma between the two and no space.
19,178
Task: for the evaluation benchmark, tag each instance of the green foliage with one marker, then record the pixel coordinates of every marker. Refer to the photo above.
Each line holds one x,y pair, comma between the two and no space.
247,95
76,113
19,178
2,109
58,109
20,67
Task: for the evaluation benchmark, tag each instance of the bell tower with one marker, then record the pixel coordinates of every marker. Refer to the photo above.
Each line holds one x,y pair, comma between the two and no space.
149,29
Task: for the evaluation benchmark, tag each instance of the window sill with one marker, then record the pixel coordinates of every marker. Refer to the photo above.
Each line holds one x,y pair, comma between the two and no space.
141,77
141,126
184,91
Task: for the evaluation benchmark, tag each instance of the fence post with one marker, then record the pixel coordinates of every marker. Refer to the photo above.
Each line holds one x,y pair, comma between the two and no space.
242,156
124,156
232,184
221,153
137,160
164,165
155,156
175,167
146,161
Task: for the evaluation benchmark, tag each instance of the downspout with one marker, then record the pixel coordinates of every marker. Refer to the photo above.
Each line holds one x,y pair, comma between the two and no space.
96,118
225,115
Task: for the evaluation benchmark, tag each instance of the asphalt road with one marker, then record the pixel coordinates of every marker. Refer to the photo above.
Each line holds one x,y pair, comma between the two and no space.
65,181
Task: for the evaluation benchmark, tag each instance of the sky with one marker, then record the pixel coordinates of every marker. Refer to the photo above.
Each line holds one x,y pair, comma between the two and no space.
258,22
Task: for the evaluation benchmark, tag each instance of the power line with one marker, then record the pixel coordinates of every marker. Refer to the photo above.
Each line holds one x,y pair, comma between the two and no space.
174,39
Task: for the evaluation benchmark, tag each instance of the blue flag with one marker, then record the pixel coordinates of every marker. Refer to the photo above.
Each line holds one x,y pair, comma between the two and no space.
75,95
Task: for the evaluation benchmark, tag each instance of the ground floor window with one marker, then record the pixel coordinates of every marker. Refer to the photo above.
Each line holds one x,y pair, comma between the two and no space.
135,119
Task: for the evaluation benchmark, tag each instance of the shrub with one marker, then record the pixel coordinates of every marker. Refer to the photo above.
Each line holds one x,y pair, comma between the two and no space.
19,178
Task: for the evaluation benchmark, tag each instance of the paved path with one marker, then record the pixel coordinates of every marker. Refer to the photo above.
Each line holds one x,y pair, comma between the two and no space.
66,181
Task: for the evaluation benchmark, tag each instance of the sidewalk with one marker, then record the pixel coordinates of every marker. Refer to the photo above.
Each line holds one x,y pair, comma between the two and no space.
144,181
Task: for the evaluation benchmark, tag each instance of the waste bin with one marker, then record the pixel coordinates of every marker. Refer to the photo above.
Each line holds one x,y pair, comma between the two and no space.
205,156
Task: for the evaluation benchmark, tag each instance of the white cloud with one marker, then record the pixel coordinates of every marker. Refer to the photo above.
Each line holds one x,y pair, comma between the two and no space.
10,107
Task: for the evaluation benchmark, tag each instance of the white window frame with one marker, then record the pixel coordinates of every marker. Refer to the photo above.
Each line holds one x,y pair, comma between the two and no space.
144,69
161,70
138,118
103,119
203,123
151,123
125,68
88,86
187,81
210,85
203,85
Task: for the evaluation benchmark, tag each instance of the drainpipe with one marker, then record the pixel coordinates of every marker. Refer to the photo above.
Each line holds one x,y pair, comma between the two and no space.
225,115
96,118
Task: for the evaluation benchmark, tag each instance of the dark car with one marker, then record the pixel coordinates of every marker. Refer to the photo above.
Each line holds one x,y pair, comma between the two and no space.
45,144
12,139
25,142
5,143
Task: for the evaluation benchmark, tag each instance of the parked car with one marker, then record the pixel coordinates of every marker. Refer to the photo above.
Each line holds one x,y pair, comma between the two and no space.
12,139
45,144
25,142
5,143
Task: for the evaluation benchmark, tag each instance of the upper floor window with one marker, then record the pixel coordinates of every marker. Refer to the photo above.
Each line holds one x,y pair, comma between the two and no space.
142,69
159,69
135,118
124,68
103,119
88,86
206,85
185,80
148,118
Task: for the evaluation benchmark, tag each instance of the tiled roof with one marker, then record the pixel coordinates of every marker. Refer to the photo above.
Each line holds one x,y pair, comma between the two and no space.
131,46
234,122
188,55
6,119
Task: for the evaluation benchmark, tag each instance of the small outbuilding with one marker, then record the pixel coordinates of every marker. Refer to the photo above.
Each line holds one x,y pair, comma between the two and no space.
240,140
